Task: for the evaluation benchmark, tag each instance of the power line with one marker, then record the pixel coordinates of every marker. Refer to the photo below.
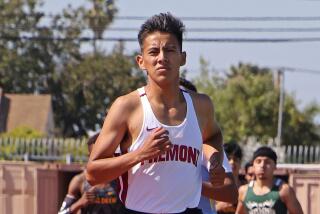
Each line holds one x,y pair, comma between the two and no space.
187,18
202,40
300,70
235,18
130,29
254,40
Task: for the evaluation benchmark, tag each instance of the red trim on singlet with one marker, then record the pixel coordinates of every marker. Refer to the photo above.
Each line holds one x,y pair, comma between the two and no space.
141,95
118,178
124,187
123,196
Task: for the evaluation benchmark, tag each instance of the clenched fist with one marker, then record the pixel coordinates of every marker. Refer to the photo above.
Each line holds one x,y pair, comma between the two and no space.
216,171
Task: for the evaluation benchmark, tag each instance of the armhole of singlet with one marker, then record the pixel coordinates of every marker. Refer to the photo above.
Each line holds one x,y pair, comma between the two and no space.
191,110
142,95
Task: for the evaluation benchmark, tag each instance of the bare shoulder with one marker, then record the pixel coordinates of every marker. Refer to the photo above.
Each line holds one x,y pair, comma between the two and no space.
243,191
288,196
123,120
243,188
205,113
242,195
122,108
285,190
200,99
202,103
126,102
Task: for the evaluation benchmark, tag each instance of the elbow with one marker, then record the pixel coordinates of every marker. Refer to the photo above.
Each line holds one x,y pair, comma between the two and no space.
91,174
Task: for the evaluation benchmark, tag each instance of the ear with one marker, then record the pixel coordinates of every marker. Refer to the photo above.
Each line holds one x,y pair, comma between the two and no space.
139,60
183,58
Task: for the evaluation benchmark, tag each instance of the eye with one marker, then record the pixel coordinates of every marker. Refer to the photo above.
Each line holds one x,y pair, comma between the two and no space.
172,49
153,52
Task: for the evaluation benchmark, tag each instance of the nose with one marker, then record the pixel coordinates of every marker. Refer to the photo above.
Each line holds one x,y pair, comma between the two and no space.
263,164
162,57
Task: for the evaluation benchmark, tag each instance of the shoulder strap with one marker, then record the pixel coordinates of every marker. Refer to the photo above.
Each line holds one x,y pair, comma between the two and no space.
191,112
141,91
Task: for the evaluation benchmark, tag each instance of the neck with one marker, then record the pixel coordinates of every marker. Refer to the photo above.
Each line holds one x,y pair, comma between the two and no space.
267,182
168,95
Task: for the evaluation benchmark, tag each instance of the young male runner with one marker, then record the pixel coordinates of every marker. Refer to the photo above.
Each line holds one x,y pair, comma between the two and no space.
160,129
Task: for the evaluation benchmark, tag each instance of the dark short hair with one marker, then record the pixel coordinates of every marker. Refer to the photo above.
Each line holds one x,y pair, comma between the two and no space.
233,148
187,84
265,151
163,22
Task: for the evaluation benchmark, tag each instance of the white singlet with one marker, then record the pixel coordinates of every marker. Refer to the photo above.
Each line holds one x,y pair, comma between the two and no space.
171,182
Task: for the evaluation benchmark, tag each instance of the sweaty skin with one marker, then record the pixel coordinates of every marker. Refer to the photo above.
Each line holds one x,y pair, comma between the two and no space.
161,57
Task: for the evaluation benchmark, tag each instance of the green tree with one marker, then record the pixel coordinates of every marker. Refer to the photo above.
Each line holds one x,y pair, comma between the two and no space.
246,103
92,85
23,132
99,17
47,59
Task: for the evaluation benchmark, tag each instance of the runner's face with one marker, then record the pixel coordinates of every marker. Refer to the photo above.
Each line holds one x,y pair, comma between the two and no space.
235,163
161,57
264,167
250,174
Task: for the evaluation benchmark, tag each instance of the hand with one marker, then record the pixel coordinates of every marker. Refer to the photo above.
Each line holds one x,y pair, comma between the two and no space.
225,207
216,171
88,197
155,144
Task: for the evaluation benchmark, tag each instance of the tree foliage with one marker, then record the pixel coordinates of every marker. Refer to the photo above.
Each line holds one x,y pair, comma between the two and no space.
246,102
48,58
23,132
93,84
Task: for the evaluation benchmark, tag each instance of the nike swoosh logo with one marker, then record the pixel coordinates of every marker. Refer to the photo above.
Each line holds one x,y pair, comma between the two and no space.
150,129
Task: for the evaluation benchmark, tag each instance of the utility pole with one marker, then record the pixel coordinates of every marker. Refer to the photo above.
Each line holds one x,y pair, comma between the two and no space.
280,82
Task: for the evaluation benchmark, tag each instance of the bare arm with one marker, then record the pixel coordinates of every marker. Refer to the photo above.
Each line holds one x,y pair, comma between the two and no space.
102,166
241,209
213,136
219,193
212,139
288,197
73,200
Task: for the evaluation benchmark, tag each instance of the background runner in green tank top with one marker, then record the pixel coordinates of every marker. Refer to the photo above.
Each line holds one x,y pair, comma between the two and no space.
267,203
267,195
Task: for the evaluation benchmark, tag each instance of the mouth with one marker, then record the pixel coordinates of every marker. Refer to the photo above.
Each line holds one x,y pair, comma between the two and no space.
261,173
162,68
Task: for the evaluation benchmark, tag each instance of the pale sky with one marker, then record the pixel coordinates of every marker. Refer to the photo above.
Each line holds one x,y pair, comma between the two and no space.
301,55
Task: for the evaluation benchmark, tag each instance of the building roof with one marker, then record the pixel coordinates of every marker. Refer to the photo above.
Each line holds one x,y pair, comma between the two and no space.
33,111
